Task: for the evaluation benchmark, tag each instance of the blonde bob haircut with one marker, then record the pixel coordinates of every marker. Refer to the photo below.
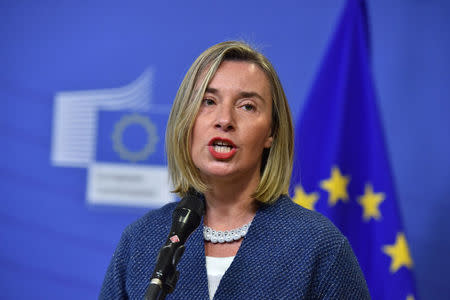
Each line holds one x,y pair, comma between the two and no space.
276,165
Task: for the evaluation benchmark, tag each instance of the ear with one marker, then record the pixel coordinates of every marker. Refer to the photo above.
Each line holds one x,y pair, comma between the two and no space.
268,142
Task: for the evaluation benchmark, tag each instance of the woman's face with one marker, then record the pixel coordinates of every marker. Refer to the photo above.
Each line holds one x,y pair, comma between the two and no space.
233,125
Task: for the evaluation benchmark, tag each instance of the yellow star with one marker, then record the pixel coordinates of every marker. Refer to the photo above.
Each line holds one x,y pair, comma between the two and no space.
410,297
370,202
306,200
399,253
336,186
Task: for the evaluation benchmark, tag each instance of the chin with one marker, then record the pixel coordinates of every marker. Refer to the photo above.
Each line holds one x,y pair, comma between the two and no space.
217,174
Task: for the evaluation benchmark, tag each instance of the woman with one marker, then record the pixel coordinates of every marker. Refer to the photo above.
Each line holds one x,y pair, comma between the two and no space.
230,137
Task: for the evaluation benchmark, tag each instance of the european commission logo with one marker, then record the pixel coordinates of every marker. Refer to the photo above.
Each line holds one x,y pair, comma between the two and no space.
118,135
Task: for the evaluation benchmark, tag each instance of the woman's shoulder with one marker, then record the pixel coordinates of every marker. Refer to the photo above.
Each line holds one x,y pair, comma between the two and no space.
321,247
301,223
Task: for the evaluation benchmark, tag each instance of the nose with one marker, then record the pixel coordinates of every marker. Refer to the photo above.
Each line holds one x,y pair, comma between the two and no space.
225,119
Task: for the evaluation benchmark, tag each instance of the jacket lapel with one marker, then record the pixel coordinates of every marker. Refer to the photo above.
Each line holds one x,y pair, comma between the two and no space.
236,279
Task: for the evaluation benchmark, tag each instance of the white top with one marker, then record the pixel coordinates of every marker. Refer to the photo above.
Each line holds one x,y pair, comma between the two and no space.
215,269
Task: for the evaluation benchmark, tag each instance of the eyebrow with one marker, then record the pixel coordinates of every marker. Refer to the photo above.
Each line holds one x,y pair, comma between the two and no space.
242,94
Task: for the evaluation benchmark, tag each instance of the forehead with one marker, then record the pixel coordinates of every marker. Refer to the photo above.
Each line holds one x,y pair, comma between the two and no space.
239,71
240,75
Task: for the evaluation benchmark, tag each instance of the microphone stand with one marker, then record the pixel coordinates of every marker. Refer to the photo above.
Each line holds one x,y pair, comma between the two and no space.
185,219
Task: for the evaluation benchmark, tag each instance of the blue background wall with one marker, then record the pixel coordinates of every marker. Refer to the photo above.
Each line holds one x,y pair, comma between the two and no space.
53,243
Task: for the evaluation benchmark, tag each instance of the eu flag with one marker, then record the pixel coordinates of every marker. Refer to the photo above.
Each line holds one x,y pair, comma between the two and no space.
341,167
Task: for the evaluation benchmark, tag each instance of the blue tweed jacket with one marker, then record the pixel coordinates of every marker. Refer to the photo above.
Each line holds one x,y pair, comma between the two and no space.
289,253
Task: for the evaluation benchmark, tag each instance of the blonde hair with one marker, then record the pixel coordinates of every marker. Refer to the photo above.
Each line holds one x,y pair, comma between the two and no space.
276,166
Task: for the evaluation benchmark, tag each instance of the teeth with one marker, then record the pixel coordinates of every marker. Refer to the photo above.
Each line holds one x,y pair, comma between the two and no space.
221,143
222,149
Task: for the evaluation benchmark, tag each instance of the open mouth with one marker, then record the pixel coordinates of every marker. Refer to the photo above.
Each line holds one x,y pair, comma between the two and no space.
222,148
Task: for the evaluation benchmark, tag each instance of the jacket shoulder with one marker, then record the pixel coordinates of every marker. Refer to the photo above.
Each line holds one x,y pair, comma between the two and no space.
310,225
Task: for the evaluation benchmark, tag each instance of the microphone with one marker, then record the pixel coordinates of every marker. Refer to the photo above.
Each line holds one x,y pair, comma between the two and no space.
185,219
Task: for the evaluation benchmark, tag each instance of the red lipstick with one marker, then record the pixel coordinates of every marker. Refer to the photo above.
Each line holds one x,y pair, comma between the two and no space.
221,148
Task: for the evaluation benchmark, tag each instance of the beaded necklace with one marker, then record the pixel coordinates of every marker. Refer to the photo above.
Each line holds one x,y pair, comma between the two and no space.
227,236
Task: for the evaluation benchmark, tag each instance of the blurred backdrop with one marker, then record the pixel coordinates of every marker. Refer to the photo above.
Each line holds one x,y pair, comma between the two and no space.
86,88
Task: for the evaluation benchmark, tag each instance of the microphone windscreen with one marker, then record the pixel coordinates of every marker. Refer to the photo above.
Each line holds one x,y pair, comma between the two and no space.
193,202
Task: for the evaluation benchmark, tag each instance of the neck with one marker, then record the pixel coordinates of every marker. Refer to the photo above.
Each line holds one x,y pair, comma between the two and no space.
230,204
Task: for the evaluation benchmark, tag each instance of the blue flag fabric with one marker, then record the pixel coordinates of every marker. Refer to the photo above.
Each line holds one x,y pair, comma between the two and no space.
341,167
